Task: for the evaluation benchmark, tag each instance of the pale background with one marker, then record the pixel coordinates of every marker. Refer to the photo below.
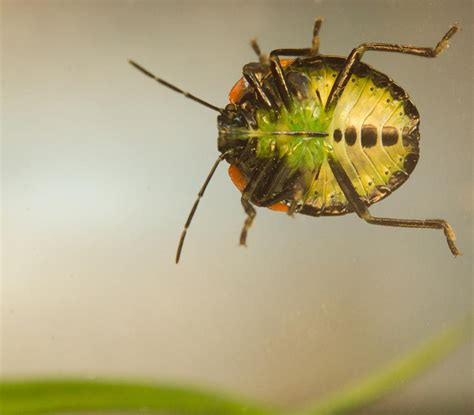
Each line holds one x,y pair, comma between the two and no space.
100,167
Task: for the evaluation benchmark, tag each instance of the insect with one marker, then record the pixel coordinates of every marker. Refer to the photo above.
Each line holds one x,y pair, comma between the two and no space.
318,135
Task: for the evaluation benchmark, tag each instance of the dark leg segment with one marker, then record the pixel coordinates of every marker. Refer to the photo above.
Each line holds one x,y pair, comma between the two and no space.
251,213
297,200
280,80
356,55
363,212
252,187
250,72
279,74
249,75
414,223
262,57
277,198
316,41
277,69
263,201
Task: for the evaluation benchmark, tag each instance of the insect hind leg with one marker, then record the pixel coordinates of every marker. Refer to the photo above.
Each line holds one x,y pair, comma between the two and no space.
363,212
417,223
356,55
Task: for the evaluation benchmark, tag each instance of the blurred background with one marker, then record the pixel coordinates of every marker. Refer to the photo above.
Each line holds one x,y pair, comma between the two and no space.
100,167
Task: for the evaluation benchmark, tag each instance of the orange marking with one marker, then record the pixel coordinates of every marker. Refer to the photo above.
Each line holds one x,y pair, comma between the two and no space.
279,207
286,62
237,91
237,177
239,180
235,95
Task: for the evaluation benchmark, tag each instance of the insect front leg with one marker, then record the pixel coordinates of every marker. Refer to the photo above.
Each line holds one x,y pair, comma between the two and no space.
250,73
251,213
279,74
356,55
363,212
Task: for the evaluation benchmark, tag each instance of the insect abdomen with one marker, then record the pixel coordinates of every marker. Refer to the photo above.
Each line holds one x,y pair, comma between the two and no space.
374,133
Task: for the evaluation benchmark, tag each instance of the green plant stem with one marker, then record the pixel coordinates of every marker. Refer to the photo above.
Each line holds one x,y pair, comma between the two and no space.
60,396
365,391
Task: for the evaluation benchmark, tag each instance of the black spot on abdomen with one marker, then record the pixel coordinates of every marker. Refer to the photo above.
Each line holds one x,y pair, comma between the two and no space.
337,135
369,135
389,136
350,135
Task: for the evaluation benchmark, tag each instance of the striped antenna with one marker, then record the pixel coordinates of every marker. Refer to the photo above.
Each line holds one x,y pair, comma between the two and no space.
175,88
196,203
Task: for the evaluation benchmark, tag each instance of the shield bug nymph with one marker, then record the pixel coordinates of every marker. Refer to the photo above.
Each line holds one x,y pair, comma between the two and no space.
318,135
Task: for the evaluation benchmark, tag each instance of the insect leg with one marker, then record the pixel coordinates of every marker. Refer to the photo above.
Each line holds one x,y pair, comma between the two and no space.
316,40
276,198
196,203
276,185
248,194
417,223
251,213
356,55
280,80
279,74
363,212
298,52
250,76
262,57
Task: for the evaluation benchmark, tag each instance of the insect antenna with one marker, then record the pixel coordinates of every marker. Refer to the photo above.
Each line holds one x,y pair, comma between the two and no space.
196,203
175,88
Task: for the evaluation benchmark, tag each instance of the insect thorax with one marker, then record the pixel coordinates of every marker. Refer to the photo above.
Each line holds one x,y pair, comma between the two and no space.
373,132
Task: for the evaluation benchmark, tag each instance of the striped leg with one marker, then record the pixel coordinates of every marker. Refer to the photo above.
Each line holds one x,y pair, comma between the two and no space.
251,213
248,193
279,74
316,40
356,55
250,75
262,57
277,69
363,212
264,201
